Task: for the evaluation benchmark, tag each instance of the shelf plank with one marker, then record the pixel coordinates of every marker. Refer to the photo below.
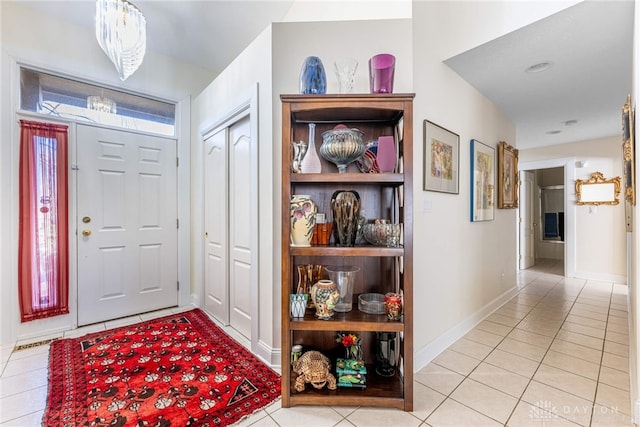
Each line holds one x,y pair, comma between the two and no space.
354,178
380,391
354,320
351,251
344,399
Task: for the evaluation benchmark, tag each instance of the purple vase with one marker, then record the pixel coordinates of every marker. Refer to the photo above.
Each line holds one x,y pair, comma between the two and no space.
386,154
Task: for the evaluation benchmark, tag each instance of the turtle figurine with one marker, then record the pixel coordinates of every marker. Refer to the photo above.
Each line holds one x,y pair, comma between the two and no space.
315,368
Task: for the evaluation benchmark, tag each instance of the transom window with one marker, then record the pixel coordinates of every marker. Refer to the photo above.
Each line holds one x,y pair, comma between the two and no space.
74,100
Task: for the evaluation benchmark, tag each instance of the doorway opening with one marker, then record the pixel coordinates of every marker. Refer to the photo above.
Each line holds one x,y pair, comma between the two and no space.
546,227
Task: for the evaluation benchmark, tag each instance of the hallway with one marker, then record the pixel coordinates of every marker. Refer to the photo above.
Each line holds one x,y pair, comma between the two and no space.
555,355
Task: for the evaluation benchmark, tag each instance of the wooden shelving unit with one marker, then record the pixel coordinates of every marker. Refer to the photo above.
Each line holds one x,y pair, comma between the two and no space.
382,269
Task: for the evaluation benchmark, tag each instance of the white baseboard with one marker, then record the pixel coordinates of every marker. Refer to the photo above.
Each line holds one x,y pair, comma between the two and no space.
42,335
195,300
271,356
429,352
600,277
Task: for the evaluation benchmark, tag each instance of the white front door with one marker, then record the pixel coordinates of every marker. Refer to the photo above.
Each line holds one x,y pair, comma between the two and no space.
527,220
127,223
229,225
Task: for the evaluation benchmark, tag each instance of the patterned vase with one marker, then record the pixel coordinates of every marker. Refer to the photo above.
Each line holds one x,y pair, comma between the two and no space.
345,208
303,219
325,295
313,79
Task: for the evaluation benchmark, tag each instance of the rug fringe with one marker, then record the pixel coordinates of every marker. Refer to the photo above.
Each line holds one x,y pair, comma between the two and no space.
277,399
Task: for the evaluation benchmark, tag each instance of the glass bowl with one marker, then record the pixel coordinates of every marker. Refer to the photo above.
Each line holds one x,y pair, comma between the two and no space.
376,233
342,147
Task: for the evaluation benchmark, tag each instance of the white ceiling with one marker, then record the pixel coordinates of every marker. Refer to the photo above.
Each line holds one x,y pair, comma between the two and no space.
589,45
205,33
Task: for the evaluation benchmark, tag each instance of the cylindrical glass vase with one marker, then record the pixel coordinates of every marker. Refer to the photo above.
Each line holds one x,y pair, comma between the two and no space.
344,277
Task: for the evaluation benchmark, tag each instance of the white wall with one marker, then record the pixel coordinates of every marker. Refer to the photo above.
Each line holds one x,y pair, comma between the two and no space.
43,42
600,239
469,269
226,93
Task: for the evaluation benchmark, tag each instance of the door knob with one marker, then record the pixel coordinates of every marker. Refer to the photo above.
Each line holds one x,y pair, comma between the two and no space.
86,232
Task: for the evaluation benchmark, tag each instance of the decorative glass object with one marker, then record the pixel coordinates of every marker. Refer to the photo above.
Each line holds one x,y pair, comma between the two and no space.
121,30
296,352
393,235
298,305
344,277
102,104
308,275
381,71
386,158
345,69
310,162
393,305
377,232
352,345
386,353
342,146
345,208
313,79
372,303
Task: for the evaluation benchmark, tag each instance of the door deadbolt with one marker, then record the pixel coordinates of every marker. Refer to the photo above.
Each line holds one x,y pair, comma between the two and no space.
86,232
86,219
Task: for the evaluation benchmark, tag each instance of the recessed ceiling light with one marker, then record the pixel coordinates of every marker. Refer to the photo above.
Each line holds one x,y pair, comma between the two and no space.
553,132
539,67
570,122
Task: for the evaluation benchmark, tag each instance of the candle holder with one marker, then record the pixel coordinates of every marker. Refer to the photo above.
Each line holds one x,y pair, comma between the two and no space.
393,305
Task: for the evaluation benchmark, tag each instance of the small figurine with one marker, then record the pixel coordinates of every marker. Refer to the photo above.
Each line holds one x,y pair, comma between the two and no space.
315,368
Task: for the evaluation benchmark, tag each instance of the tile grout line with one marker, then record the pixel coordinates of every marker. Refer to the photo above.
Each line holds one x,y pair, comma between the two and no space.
604,341
547,350
483,359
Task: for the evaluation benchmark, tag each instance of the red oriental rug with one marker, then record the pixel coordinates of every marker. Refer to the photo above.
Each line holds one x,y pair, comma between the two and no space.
178,370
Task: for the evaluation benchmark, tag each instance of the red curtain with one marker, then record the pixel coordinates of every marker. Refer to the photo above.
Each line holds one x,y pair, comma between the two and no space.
43,248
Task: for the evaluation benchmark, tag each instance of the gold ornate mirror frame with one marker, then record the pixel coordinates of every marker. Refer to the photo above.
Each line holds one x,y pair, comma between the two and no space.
598,190
628,151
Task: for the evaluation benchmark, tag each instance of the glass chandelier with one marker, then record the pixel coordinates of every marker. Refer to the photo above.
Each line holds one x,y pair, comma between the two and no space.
102,104
121,30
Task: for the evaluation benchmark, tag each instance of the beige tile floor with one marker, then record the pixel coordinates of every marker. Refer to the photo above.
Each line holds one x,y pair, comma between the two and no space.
554,355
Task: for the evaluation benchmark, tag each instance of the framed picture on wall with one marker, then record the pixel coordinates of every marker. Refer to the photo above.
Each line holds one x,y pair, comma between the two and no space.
628,147
441,160
482,181
507,176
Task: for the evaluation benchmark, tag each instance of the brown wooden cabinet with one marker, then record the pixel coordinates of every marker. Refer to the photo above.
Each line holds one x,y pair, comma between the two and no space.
382,269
